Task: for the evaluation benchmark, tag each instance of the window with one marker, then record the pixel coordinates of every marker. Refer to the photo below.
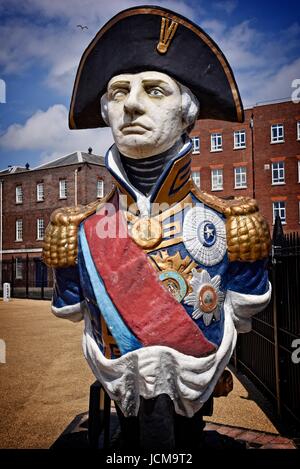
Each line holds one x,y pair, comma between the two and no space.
40,229
240,177
216,142
239,139
19,269
279,209
298,170
277,133
196,144
19,194
216,179
63,189
298,130
40,192
100,188
278,176
19,230
196,178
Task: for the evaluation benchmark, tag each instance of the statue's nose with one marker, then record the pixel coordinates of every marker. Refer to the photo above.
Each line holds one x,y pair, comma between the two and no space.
133,102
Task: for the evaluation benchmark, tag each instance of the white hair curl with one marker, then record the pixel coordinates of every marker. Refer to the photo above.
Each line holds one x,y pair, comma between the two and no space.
190,107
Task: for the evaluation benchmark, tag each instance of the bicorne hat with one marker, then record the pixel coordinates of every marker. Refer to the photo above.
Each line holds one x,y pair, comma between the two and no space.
154,38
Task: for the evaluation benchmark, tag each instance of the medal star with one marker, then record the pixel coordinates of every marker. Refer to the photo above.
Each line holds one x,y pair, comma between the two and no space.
201,282
208,232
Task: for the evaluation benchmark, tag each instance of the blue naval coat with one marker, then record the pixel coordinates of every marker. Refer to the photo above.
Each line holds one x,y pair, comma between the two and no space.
209,248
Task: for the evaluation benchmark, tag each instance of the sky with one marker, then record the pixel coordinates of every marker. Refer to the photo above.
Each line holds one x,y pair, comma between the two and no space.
41,46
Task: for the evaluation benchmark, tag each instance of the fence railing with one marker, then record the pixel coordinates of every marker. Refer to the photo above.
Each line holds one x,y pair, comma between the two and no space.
266,353
28,277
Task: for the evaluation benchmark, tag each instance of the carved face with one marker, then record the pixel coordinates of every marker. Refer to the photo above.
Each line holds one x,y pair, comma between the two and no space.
144,112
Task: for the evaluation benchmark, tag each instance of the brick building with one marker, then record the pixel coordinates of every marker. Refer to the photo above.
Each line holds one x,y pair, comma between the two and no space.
29,196
259,158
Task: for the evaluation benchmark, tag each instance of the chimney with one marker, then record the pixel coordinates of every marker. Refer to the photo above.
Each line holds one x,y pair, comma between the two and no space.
90,150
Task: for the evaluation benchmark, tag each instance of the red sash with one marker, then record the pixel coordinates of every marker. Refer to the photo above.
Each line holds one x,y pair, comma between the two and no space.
147,308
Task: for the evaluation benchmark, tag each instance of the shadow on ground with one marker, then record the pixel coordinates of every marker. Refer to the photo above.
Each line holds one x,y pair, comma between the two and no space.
75,436
285,426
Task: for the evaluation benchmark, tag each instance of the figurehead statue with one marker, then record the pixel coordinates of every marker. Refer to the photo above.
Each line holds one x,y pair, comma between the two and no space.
165,290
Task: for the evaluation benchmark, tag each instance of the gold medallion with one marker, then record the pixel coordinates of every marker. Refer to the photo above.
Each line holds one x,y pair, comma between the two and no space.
208,298
147,232
172,285
175,272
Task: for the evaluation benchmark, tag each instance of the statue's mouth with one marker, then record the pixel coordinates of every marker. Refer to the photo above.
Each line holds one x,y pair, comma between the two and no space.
133,128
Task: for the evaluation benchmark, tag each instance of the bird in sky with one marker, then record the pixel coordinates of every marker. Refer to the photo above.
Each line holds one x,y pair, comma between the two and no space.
82,27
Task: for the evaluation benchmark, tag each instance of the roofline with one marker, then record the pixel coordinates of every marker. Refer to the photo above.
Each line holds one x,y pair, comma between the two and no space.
62,166
13,169
269,102
55,159
68,165
64,156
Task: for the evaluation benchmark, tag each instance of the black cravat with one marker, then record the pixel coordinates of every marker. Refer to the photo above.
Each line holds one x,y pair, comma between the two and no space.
143,173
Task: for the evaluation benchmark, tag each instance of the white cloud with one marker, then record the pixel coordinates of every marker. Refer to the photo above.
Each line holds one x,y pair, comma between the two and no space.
270,86
94,11
48,132
263,64
239,43
214,27
228,6
53,48
49,40
58,46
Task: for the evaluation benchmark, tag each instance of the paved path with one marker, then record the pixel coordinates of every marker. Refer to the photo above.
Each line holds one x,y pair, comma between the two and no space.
45,383
226,437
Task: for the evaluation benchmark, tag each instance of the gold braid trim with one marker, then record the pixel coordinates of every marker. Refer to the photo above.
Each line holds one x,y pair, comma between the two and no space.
60,245
247,232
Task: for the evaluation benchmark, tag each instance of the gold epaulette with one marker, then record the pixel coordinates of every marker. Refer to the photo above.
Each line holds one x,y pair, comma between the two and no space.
60,244
247,232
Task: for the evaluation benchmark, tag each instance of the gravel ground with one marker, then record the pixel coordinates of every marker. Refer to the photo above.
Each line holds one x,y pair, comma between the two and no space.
45,381
242,408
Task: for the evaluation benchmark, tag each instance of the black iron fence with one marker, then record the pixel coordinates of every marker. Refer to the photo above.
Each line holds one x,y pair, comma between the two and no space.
28,277
268,354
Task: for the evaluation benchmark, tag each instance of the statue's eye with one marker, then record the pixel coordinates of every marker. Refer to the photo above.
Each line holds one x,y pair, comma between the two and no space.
119,94
156,92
